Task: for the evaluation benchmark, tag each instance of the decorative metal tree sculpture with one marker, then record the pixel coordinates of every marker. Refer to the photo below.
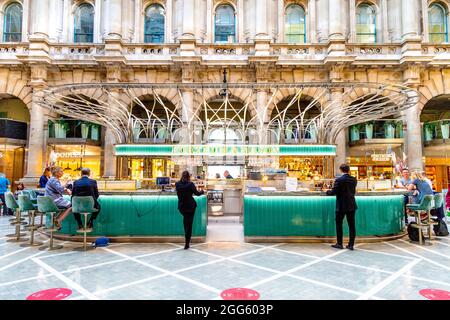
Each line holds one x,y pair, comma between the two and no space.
307,112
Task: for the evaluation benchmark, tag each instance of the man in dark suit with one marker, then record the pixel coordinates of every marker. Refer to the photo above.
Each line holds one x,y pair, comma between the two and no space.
344,189
84,187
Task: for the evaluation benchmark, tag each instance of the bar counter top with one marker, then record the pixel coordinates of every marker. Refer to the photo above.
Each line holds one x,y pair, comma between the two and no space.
323,193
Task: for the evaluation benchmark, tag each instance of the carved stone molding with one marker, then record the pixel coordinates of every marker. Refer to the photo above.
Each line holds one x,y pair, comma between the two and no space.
38,74
337,72
187,72
113,72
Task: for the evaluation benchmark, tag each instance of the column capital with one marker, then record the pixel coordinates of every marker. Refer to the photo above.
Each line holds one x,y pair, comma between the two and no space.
187,73
38,76
113,72
411,75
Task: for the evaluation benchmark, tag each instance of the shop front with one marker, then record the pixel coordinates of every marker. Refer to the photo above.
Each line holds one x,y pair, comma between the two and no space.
74,157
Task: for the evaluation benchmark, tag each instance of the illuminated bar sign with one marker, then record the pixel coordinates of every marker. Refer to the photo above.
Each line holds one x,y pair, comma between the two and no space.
224,150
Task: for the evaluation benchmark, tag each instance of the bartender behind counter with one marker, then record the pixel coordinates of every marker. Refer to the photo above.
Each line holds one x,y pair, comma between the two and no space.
227,175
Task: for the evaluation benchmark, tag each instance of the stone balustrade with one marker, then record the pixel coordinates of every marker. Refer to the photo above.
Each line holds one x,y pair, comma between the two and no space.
286,53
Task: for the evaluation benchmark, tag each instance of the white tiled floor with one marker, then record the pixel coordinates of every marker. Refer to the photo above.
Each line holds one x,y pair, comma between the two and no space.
389,270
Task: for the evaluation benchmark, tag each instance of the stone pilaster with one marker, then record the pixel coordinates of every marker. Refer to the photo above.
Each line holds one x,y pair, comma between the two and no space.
36,136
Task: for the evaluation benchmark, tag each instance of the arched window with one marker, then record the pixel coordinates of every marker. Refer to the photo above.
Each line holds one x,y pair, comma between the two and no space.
225,26
437,23
84,23
154,24
366,25
12,26
295,24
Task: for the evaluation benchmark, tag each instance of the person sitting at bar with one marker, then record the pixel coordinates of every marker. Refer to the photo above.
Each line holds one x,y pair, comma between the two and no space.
344,189
44,178
84,187
227,175
19,189
55,190
421,185
186,203
217,175
403,183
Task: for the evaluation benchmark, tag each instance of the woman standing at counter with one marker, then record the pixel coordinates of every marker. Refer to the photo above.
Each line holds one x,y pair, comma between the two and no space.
186,203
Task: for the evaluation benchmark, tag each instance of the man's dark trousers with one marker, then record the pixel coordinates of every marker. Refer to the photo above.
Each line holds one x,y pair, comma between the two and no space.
351,226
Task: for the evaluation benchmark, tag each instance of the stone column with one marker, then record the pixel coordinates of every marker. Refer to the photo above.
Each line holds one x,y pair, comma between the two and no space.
115,19
98,21
36,142
40,17
261,18
188,18
169,17
109,158
322,20
311,29
25,21
384,16
424,8
395,19
410,13
413,137
261,103
352,18
341,139
336,19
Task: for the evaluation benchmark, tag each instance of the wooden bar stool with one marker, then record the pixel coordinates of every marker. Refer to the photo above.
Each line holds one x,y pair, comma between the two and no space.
47,206
12,204
84,206
424,207
26,205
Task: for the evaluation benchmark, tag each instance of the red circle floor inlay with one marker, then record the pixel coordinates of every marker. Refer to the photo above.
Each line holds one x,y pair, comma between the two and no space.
50,294
435,294
239,294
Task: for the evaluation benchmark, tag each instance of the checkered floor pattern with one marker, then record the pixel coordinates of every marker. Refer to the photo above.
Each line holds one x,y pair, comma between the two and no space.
388,270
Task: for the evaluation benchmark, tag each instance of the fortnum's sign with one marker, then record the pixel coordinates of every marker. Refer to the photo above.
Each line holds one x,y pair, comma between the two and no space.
225,150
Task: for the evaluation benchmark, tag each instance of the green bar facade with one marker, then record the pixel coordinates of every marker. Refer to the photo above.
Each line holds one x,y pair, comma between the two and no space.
141,215
314,216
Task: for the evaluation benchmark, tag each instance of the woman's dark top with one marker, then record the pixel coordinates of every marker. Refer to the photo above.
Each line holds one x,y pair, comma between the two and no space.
185,190
43,181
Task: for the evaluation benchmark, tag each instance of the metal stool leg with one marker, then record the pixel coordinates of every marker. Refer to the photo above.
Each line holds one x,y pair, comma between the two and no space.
52,228
419,224
84,231
33,227
18,234
17,221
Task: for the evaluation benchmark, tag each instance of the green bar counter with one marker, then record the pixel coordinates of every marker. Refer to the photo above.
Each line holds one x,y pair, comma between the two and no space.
310,217
128,217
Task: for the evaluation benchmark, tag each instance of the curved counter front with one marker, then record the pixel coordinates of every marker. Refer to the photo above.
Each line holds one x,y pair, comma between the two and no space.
309,217
140,218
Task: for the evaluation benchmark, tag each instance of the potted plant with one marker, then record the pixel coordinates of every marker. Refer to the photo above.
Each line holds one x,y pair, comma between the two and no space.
429,129
61,127
354,132
368,126
136,131
445,129
389,129
399,128
85,129
94,131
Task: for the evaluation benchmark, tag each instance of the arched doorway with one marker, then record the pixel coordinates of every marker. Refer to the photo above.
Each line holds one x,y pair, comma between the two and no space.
14,121
435,118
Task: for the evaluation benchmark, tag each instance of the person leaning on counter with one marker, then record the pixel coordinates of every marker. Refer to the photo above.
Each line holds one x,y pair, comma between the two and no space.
344,189
186,203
